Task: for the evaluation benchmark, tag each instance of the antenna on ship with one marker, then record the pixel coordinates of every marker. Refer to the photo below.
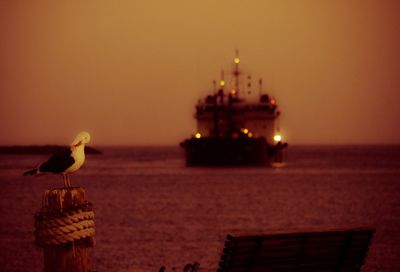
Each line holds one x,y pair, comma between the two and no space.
215,86
260,82
249,84
221,88
222,81
236,72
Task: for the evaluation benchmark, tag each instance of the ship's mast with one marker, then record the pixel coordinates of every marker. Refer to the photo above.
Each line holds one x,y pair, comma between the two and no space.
222,81
220,93
249,84
236,71
215,86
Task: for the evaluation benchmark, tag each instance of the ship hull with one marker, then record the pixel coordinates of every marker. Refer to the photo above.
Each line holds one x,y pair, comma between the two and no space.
212,151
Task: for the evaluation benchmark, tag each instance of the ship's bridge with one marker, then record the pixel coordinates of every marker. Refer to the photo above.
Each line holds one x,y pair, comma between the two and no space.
257,117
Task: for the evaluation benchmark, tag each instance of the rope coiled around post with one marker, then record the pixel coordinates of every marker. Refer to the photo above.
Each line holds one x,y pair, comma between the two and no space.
64,226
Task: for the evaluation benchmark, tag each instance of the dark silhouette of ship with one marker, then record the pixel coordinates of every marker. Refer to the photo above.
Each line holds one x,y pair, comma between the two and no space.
234,131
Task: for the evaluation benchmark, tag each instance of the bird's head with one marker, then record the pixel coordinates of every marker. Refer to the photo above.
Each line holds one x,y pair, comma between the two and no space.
81,139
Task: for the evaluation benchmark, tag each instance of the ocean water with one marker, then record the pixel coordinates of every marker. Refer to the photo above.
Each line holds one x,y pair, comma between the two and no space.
152,211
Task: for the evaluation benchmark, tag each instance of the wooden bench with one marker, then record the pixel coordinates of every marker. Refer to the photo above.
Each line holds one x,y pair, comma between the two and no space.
319,251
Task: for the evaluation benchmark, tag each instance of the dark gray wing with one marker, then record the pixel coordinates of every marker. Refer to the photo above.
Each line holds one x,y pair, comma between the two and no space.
59,162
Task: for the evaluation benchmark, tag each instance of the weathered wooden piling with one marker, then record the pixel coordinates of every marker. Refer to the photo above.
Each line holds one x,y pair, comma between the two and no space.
64,228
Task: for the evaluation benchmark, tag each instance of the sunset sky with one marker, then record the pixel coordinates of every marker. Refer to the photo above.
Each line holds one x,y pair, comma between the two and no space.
130,72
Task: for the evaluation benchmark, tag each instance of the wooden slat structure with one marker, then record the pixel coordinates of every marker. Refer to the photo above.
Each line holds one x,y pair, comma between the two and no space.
319,251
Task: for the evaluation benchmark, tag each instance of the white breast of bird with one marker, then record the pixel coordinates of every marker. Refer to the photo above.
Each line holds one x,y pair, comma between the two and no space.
79,156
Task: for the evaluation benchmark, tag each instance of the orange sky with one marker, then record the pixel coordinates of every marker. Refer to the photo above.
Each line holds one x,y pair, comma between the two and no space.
130,72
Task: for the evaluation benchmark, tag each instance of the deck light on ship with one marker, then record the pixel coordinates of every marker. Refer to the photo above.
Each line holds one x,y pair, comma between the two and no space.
273,101
236,60
250,135
277,138
222,83
197,135
245,131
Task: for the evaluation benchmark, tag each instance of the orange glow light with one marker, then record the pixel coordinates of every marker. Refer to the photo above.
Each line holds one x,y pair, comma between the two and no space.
277,138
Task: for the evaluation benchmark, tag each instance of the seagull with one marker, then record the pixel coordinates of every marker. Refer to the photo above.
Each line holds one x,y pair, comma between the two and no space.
66,161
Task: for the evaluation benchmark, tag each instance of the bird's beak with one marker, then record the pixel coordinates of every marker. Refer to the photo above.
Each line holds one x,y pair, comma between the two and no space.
78,144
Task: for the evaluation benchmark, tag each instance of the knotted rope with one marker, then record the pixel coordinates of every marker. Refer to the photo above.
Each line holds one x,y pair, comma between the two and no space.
64,226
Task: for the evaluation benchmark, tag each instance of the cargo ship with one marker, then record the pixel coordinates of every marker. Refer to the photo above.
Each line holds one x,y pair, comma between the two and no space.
232,128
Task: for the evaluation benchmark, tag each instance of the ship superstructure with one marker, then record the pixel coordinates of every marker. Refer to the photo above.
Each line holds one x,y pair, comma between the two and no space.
232,130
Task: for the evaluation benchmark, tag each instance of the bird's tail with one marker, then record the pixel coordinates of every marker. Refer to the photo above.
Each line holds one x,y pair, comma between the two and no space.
31,172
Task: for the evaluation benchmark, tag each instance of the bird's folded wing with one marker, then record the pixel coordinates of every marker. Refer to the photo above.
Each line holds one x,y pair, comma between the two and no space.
59,162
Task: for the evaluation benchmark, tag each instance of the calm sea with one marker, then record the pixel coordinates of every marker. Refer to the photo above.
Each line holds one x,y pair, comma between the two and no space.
151,210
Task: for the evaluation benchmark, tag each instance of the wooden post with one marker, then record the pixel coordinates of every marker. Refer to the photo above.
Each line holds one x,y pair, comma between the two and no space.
70,256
